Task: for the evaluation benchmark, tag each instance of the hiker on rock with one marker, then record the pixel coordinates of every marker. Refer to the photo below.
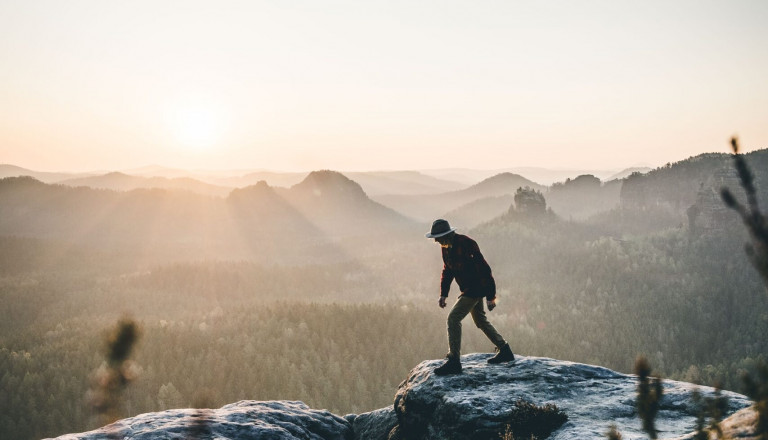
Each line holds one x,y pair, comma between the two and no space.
463,262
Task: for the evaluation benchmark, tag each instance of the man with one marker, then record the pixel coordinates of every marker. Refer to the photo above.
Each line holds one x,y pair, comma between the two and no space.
463,262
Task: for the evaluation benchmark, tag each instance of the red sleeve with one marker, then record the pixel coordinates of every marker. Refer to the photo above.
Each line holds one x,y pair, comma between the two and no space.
445,280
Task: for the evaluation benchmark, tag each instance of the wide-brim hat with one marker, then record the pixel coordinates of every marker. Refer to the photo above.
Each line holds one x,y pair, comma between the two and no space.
440,227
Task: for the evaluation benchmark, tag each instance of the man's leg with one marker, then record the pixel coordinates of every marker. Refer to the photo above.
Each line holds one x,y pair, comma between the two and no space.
481,321
464,305
459,311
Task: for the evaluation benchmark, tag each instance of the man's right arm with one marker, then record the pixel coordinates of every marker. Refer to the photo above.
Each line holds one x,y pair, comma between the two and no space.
445,285
445,281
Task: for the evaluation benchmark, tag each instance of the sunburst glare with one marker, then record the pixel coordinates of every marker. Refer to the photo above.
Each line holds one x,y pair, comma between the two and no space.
196,128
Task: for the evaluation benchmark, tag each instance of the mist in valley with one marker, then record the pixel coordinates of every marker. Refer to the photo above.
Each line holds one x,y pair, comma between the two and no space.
325,290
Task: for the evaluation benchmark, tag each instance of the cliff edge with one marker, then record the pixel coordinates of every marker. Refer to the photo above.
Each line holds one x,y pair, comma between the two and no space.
482,403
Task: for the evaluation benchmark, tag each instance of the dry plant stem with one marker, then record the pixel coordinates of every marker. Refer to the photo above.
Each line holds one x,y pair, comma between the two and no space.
613,433
648,396
111,382
757,251
753,218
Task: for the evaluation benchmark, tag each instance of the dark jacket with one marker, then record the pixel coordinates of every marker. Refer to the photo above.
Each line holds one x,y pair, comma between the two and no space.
463,262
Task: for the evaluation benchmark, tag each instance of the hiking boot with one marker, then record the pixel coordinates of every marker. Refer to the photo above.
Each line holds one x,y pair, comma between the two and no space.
504,355
451,366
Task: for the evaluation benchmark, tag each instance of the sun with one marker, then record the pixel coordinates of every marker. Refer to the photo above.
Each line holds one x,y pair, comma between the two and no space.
196,128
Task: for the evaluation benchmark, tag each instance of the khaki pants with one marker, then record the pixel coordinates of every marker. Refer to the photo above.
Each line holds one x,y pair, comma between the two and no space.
464,306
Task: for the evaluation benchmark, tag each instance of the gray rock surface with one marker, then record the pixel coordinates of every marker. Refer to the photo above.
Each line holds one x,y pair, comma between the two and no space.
470,405
474,405
244,420
375,424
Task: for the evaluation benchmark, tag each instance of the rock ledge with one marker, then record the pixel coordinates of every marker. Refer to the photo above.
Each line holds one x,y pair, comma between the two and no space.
474,405
244,420
477,402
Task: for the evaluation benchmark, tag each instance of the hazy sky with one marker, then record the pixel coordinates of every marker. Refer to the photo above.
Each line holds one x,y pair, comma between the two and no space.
364,85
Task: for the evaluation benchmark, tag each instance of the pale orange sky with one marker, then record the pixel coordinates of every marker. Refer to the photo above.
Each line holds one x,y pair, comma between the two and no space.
370,85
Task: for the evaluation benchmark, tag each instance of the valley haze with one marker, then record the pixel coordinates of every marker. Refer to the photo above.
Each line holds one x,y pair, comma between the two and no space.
323,291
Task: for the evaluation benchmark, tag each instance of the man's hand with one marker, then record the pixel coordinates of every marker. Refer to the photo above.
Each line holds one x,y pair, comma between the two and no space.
491,304
441,303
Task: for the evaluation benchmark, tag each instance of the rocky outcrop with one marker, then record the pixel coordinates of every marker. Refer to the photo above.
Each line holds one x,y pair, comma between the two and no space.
245,420
373,425
478,404
481,401
709,213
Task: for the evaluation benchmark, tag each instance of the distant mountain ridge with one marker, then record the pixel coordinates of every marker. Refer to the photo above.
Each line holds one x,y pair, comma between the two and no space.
687,191
339,206
544,176
407,182
422,198
123,182
429,207
258,221
402,182
499,184
330,184
219,183
251,178
7,170
628,172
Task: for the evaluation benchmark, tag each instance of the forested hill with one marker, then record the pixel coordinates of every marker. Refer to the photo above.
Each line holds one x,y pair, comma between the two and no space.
125,182
677,186
680,297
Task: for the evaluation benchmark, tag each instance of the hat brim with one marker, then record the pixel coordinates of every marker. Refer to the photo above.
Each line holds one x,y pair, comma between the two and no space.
431,235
